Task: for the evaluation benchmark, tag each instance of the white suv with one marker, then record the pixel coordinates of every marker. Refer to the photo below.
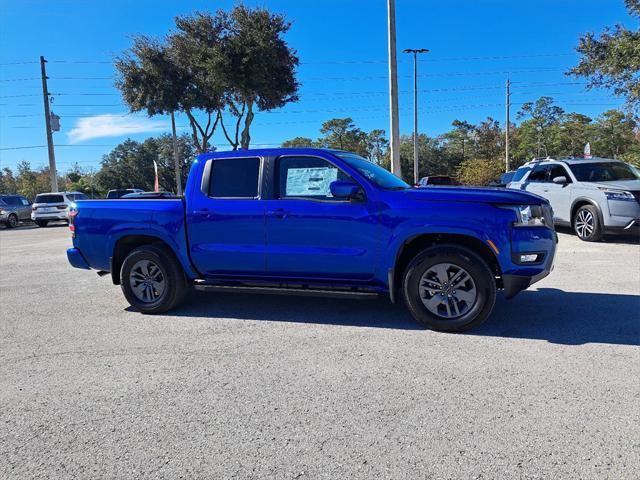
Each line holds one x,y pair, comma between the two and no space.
54,206
593,196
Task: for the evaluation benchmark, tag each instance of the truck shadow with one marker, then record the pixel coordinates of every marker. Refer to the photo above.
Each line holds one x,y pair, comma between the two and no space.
569,318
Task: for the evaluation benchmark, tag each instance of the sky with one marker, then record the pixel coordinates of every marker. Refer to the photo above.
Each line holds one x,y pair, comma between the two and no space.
342,45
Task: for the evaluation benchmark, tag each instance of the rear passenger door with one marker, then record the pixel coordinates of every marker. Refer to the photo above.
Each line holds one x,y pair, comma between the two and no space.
225,220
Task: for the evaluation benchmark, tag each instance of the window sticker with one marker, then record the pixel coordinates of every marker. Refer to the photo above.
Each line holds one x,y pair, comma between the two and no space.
305,182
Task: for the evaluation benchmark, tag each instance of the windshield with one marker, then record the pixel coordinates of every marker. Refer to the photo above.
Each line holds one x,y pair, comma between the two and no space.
603,171
374,173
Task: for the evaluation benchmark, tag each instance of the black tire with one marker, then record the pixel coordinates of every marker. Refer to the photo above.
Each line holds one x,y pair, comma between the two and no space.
42,223
175,282
12,221
586,224
464,260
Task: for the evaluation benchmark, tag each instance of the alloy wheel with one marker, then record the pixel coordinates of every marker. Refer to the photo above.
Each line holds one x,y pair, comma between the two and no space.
448,290
147,281
585,223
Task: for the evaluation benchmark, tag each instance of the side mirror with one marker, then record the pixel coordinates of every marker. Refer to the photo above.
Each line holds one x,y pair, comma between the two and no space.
560,180
344,189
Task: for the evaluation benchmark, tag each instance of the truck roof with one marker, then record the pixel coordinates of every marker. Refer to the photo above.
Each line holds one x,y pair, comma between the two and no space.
269,152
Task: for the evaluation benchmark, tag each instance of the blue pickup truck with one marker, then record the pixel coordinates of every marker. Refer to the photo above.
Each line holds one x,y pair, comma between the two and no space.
319,222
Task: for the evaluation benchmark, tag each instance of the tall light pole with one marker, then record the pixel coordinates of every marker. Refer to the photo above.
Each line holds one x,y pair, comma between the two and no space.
415,108
507,125
47,120
394,143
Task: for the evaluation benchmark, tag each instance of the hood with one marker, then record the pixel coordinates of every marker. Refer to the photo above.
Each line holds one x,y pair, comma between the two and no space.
632,185
471,194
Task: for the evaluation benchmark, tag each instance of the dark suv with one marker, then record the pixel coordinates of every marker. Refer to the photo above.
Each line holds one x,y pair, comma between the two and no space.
14,209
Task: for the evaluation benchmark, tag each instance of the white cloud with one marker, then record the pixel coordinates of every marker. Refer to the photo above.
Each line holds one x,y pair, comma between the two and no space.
110,125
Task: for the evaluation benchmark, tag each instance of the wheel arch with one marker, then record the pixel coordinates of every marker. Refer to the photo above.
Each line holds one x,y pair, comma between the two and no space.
419,242
127,243
582,201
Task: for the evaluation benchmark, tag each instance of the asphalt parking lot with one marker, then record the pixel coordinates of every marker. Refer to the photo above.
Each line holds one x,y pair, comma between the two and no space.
239,386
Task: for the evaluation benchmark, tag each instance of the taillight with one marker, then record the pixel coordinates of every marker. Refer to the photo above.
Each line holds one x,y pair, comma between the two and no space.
73,213
33,209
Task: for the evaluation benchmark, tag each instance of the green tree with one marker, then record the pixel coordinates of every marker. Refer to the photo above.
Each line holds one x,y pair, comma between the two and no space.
612,59
130,164
460,136
377,145
573,133
236,62
479,171
488,139
7,181
614,134
543,116
299,142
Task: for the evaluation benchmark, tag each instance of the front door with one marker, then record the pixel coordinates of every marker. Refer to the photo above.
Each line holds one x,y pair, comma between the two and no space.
226,220
312,234
559,195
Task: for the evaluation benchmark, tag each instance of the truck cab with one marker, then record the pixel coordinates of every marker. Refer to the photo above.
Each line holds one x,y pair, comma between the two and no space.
319,222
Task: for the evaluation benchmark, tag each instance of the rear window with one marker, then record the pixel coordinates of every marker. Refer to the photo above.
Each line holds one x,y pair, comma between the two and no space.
235,178
520,173
48,198
77,196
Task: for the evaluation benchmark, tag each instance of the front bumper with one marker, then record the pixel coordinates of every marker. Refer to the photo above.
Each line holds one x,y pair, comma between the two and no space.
76,259
526,241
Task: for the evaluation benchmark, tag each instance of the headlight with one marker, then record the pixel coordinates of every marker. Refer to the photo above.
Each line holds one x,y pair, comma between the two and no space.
620,195
532,215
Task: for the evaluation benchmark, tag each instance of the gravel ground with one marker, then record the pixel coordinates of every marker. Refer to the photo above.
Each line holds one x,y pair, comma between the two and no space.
239,386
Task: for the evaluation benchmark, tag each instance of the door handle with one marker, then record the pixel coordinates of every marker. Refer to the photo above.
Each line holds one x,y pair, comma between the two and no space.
202,213
279,213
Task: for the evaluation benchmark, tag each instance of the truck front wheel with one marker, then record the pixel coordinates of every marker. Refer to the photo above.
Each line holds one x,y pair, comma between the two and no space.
449,288
152,280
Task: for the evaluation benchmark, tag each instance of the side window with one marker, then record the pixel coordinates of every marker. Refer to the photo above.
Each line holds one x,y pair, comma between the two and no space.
307,177
14,201
24,201
539,173
558,171
234,178
520,173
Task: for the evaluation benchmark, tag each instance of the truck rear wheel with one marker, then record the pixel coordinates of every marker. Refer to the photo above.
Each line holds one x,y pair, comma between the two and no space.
152,280
449,288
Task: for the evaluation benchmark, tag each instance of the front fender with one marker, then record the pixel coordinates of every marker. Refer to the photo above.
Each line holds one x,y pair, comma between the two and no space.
490,226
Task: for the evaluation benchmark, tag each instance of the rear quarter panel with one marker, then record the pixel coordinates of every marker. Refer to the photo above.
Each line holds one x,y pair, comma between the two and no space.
101,223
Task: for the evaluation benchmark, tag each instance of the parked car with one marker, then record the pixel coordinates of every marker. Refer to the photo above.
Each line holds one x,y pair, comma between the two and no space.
594,196
49,207
319,222
121,192
14,209
149,195
503,180
434,180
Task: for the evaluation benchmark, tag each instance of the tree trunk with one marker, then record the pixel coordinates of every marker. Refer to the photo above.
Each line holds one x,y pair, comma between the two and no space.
245,137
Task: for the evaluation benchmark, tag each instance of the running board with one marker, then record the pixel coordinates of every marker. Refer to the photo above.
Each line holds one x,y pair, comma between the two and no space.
303,292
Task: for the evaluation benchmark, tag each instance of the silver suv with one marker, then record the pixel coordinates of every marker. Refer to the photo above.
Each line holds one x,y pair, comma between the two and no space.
593,196
14,209
48,207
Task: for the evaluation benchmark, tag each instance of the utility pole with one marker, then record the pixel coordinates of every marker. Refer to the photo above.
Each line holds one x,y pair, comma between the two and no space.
47,117
394,143
508,126
176,159
415,109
